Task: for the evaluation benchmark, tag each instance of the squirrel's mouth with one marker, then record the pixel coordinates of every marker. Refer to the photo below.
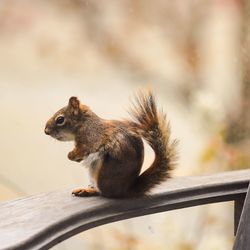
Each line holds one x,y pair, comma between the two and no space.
64,136
56,136
60,138
60,135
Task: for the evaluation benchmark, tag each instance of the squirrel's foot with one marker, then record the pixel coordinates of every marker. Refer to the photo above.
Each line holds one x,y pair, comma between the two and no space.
74,157
85,192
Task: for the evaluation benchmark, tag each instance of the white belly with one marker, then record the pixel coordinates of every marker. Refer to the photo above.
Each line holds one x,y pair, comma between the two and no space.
93,162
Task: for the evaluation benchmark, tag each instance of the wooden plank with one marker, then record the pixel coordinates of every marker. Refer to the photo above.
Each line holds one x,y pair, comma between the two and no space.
42,221
242,241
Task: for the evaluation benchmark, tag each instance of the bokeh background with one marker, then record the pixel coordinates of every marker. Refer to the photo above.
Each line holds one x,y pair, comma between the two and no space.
195,56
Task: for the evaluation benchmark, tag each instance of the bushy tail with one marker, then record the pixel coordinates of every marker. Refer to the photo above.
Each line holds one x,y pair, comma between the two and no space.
151,124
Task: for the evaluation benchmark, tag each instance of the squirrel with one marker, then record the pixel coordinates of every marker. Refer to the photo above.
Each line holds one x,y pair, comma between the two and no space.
113,149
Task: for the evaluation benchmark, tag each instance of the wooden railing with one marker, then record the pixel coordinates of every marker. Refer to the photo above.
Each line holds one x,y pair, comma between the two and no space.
42,221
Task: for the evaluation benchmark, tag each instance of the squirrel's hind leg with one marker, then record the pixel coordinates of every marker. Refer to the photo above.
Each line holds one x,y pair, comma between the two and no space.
85,192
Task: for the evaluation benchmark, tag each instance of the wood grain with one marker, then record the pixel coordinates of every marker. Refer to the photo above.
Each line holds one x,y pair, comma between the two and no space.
42,221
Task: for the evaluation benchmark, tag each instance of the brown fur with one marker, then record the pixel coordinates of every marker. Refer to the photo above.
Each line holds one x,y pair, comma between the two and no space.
118,147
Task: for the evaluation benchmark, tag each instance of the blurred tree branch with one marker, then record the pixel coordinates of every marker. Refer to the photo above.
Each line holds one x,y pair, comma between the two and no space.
238,128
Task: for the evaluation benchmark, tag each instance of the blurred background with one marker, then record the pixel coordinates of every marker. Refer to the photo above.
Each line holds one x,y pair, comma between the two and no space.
194,54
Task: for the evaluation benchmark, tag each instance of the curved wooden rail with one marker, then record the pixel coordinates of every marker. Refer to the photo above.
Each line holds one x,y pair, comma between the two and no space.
42,221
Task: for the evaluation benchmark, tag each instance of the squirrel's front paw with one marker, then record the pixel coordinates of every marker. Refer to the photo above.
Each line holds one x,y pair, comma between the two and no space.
74,157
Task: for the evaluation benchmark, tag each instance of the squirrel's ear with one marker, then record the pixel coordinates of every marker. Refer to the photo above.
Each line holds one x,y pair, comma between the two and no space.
74,105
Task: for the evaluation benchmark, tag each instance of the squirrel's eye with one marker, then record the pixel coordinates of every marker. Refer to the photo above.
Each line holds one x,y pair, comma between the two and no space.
60,120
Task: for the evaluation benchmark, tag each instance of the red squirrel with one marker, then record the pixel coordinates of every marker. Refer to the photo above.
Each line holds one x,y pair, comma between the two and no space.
113,149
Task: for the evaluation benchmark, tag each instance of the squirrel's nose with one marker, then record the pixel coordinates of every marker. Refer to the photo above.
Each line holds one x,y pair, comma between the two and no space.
47,131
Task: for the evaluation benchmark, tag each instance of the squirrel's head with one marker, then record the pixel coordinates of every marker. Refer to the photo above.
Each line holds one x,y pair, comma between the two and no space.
65,122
